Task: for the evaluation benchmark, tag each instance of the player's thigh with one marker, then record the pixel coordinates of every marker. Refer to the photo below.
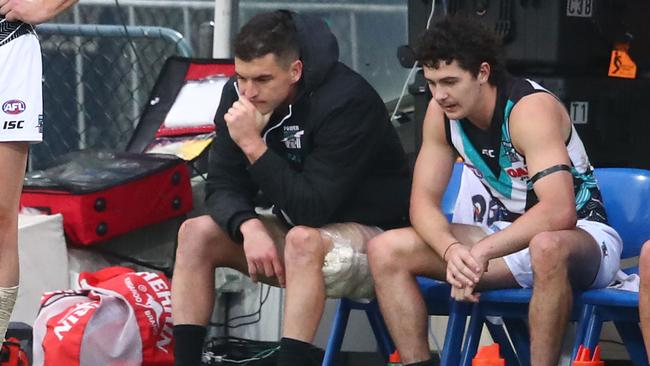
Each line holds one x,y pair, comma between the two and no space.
576,247
13,159
405,249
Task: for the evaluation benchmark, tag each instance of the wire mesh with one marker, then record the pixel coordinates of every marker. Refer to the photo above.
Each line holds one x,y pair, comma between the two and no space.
97,78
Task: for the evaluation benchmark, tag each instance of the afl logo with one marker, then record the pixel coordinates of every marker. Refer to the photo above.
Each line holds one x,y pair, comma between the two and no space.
14,106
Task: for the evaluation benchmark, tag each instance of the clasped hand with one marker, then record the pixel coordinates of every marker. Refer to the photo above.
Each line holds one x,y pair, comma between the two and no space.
245,123
465,268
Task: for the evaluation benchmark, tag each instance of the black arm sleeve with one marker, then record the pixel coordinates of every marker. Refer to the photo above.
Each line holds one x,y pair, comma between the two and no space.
229,189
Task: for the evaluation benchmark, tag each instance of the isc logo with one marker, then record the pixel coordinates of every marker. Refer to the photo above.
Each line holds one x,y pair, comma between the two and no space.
12,125
14,106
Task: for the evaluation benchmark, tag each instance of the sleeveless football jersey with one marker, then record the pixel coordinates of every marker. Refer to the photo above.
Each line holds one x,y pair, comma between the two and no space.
492,157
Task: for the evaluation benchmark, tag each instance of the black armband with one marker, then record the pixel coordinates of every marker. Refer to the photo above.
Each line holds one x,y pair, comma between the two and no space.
551,170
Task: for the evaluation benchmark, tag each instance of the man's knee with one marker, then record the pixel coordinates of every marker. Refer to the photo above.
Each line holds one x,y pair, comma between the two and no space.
548,254
383,251
196,240
303,245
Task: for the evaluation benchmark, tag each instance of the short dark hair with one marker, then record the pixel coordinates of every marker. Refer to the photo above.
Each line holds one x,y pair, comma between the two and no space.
273,32
465,40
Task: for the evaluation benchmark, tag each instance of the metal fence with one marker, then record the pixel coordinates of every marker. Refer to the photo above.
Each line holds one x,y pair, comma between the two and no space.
97,77
96,80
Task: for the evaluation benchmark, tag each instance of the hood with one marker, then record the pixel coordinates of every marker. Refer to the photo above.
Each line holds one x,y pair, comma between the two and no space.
319,50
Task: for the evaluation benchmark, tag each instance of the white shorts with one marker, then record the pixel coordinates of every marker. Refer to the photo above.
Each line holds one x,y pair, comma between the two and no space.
21,100
610,243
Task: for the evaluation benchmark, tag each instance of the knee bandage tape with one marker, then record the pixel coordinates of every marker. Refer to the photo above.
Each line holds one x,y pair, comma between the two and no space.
345,269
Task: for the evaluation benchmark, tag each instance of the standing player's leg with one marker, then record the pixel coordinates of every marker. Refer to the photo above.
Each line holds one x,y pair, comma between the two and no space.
13,158
21,123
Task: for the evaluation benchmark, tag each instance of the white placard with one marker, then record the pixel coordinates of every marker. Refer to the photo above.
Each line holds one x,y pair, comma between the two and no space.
579,8
579,112
196,104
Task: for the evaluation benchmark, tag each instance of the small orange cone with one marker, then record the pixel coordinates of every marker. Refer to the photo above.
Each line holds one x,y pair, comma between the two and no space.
394,359
582,358
488,356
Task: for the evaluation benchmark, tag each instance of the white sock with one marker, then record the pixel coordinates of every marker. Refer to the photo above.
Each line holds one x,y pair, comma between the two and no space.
7,301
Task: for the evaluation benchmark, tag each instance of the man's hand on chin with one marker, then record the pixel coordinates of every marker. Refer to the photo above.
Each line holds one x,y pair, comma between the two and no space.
245,124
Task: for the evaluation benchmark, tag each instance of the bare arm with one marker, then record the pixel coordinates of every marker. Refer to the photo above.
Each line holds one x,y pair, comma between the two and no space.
539,127
432,171
33,11
430,178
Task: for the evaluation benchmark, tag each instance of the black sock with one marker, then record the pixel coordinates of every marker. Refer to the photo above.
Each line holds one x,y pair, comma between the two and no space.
188,344
298,353
421,363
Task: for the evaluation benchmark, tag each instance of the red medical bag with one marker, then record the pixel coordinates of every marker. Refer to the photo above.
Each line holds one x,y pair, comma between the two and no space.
102,194
105,194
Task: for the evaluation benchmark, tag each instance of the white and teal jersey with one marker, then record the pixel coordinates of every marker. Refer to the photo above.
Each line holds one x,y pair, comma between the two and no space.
503,170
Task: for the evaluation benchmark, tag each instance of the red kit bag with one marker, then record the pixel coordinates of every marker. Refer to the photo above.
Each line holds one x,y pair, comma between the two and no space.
119,317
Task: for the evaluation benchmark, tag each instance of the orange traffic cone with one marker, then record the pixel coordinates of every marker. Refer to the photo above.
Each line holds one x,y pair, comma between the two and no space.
488,356
582,358
394,359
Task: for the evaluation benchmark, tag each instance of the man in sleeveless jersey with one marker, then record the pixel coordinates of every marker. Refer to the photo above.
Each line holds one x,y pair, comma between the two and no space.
21,122
550,231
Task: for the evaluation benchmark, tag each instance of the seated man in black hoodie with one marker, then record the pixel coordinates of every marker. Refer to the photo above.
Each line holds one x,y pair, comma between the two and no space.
310,136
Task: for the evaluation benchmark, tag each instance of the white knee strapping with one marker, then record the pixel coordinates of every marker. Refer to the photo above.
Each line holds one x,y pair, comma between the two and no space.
345,269
7,300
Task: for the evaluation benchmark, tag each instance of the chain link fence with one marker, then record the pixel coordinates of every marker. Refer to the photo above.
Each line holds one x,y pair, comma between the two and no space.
99,67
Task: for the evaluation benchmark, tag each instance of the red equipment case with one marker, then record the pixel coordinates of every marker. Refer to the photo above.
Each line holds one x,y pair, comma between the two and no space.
104,194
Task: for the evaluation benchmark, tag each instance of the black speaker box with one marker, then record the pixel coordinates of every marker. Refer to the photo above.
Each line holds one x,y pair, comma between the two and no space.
551,36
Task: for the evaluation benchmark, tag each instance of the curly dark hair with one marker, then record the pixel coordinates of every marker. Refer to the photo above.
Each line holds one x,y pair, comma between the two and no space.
465,40
272,32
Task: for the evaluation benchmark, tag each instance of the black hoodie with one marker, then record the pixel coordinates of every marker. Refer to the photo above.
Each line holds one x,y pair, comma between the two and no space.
333,156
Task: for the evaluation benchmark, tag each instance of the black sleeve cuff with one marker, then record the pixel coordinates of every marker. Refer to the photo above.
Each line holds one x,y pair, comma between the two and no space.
266,168
235,223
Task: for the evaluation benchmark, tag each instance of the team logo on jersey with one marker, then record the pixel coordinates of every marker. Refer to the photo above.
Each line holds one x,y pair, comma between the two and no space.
509,151
291,137
14,106
512,156
488,152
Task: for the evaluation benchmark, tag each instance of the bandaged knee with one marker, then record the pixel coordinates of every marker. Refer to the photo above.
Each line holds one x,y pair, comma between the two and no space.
7,300
345,269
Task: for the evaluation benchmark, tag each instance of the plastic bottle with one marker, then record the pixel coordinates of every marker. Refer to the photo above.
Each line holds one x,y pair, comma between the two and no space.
582,358
394,359
488,356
